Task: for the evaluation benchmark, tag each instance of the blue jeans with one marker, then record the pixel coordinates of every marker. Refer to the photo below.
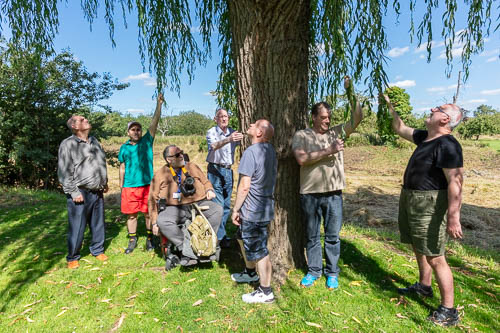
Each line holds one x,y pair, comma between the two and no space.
91,212
326,206
222,181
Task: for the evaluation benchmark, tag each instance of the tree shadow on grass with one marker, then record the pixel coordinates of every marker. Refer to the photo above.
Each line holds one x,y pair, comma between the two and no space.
37,236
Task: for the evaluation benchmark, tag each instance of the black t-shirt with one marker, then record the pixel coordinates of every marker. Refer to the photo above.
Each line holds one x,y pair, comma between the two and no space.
425,168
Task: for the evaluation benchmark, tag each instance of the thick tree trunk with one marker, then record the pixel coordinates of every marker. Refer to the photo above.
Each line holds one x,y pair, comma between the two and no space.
270,46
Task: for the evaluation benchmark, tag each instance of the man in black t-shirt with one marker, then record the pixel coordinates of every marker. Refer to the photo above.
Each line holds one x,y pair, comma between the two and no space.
430,201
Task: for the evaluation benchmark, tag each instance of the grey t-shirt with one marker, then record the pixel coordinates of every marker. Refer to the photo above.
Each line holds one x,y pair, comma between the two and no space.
260,164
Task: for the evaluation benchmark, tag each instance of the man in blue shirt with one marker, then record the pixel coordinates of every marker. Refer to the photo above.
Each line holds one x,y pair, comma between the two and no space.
254,209
222,141
136,172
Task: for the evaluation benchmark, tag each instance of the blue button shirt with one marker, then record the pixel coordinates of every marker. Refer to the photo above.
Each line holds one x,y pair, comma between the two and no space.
224,155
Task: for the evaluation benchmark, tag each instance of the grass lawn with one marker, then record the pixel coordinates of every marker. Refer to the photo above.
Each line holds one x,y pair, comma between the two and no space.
134,294
493,143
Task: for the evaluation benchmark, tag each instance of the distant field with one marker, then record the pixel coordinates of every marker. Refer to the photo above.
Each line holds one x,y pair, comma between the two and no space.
493,143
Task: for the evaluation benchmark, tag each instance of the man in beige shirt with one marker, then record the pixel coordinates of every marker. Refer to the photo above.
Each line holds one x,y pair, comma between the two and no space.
319,151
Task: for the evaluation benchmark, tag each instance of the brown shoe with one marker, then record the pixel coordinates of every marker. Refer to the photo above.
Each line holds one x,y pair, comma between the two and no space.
73,264
102,257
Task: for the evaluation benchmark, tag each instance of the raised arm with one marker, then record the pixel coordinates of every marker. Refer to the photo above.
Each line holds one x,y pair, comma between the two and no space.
358,112
397,124
455,180
157,115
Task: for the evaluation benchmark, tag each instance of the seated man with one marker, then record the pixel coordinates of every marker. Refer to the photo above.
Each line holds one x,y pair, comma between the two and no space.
169,183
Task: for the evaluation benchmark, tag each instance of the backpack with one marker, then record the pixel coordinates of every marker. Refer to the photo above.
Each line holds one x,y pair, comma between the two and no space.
203,236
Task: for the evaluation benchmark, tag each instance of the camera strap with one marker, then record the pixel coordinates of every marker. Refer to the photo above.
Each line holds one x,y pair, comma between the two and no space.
177,177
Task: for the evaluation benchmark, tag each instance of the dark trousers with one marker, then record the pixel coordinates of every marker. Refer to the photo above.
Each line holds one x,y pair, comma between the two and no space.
90,211
222,181
326,207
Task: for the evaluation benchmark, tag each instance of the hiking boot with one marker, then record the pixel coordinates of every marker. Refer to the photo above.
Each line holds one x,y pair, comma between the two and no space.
418,289
149,245
132,243
308,280
258,296
444,316
245,277
73,264
332,282
101,257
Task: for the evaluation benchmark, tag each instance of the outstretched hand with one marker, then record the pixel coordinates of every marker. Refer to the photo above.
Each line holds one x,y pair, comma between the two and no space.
347,82
161,100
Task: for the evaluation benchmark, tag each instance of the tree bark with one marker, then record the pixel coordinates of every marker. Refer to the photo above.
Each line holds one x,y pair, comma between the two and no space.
270,40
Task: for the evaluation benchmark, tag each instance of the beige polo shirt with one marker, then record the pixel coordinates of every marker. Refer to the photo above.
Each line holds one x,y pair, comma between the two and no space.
327,174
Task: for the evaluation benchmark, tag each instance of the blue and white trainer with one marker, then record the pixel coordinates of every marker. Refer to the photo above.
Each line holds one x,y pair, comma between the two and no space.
332,282
308,280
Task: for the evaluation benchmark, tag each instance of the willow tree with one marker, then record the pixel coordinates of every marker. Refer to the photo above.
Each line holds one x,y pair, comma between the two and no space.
276,56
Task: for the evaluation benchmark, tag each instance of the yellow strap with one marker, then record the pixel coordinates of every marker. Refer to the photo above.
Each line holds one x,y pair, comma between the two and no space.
172,171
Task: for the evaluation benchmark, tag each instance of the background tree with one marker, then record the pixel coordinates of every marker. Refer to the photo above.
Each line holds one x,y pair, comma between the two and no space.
277,57
486,121
39,91
401,102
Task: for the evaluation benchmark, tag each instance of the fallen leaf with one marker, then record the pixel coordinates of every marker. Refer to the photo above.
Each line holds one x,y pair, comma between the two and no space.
29,320
347,293
487,280
118,323
191,280
35,258
129,306
132,297
165,304
95,269
61,313
99,279
212,295
156,319
313,324
212,290
176,282
198,319
35,302
399,315
335,313
490,294
87,261
355,283
164,290
80,292
180,328
69,285
18,271
394,299
122,274
356,320
473,305
139,313
406,265
198,302
107,300
15,320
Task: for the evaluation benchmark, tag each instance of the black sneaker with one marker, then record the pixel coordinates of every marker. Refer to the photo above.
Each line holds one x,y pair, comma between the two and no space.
418,289
149,245
132,243
444,316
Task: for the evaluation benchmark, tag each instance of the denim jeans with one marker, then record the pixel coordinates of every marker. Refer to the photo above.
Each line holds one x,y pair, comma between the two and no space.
91,212
326,206
222,181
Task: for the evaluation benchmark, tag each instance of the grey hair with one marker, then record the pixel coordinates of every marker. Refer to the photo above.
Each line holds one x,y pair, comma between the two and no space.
165,151
456,116
220,109
70,122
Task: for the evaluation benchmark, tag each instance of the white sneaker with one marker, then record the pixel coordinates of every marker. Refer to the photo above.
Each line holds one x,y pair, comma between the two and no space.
244,277
258,296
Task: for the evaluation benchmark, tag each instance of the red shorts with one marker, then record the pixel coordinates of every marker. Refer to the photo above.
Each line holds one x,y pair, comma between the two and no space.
135,199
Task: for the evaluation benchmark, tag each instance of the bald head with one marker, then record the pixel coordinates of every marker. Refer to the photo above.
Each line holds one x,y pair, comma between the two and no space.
267,129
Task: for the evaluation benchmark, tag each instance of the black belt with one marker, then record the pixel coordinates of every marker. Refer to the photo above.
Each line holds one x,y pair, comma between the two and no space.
225,166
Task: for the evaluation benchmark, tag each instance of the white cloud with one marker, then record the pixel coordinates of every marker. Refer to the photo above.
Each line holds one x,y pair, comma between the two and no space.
492,59
490,92
423,47
403,84
144,77
475,101
436,89
207,93
427,108
490,53
398,77
456,52
398,51
134,110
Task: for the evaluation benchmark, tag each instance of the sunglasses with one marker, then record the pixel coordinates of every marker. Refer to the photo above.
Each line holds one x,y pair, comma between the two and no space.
179,154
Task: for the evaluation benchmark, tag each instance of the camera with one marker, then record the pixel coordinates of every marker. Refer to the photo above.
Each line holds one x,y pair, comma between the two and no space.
162,204
187,186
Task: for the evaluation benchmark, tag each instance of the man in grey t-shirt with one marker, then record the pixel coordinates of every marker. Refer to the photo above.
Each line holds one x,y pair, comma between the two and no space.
254,209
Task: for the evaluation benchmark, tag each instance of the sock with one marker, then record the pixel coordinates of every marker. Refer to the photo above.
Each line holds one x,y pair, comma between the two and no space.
266,290
132,235
149,232
250,271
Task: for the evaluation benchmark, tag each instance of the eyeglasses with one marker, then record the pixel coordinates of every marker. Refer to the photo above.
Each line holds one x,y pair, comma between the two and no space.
179,154
440,109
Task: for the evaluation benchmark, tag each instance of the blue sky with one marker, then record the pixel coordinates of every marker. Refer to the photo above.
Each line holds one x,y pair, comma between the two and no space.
426,83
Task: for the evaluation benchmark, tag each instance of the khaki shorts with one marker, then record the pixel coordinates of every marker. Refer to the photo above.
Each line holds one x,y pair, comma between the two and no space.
422,220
